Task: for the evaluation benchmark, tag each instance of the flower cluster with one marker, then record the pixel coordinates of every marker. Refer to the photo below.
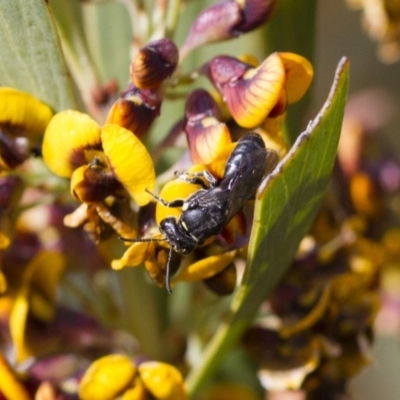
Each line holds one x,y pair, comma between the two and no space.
316,330
119,189
382,22
115,375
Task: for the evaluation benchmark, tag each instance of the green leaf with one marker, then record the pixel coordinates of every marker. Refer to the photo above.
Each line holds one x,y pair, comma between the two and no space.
286,204
293,28
69,18
31,57
111,52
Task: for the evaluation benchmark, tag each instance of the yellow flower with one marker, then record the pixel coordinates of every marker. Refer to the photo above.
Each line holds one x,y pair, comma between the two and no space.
10,386
116,375
23,111
211,262
206,135
23,119
103,160
36,297
254,93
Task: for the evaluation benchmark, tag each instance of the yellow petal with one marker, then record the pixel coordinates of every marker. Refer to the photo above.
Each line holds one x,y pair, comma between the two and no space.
163,381
174,190
10,386
205,268
68,141
254,96
130,161
78,175
132,257
24,111
18,319
299,74
4,241
3,283
43,274
107,378
217,166
36,295
206,139
137,392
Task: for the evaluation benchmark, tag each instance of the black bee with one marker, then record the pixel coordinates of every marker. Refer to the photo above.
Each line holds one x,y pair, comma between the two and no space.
206,212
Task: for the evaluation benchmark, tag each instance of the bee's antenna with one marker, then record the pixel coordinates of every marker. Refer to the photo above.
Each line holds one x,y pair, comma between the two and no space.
168,272
141,239
167,268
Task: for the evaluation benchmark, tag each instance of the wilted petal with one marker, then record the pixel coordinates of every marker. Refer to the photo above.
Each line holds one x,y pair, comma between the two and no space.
162,380
68,141
299,74
107,378
205,268
283,364
154,63
23,112
130,162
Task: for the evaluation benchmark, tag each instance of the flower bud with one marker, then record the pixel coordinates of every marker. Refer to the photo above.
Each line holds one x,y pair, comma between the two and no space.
213,24
205,134
13,152
199,105
135,110
226,20
254,13
107,378
154,63
162,380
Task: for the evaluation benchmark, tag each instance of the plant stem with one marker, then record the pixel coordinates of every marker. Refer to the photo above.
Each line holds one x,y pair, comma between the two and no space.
141,311
172,18
221,342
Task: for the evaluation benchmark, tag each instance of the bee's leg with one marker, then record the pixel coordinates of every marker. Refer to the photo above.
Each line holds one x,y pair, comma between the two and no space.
172,204
195,178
